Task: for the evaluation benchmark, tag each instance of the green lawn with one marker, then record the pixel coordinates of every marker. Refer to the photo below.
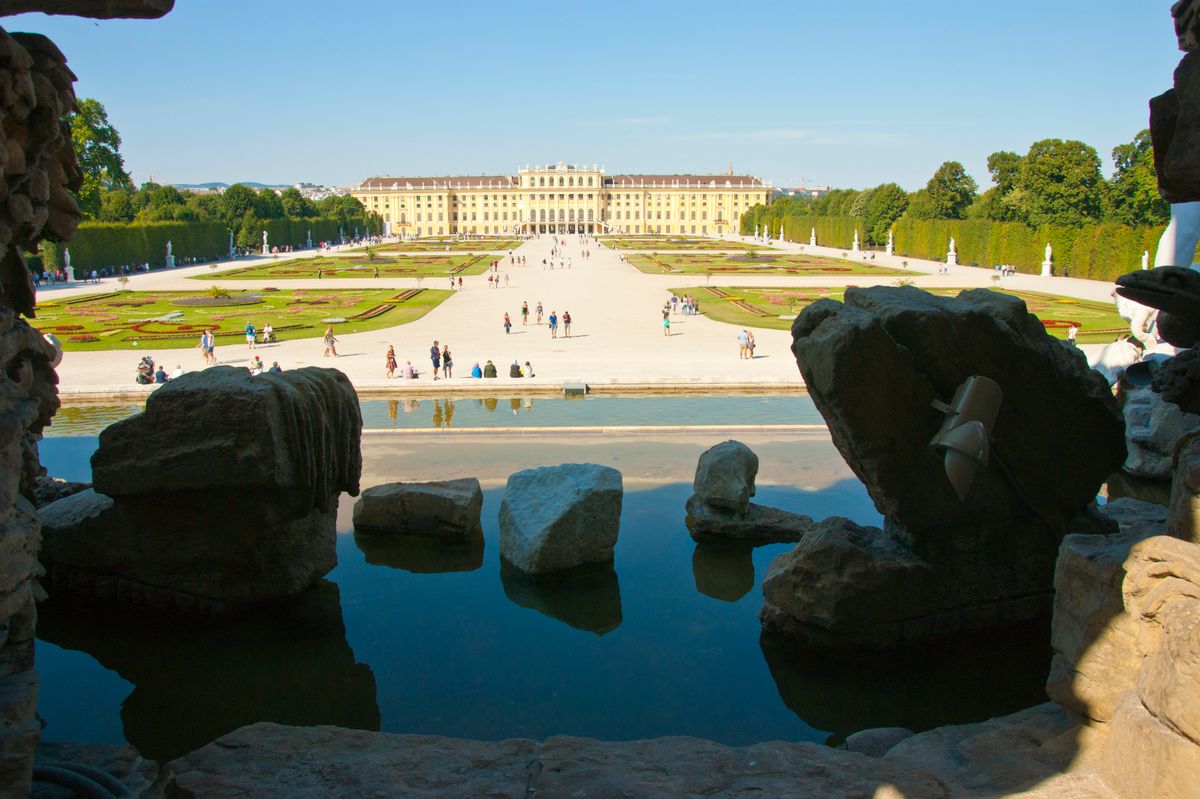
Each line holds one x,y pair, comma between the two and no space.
115,321
766,263
634,243
358,265
775,308
455,245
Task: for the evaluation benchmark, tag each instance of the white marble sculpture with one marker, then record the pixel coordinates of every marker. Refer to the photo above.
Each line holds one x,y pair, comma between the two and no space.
891,245
170,256
952,255
266,248
1048,263
67,259
1177,247
232,249
854,248
812,238
1146,259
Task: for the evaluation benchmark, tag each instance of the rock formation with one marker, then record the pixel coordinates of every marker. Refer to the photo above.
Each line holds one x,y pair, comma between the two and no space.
721,510
1153,427
584,597
222,493
268,760
421,554
559,517
874,365
448,509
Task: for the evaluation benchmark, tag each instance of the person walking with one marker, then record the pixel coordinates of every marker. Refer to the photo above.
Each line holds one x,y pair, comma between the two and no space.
743,340
666,326
435,355
539,312
330,342
507,323
251,335
447,362
749,345
390,362
566,319
553,324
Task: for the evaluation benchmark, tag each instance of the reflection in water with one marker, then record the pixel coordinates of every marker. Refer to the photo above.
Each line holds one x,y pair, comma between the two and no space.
422,554
393,409
724,572
490,404
586,597
956,682
515,405
411,405
197,681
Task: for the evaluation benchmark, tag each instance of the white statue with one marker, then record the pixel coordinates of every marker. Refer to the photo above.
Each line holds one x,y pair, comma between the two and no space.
756,231
232,250
1177,247
1049,252
67,258
266,249
855,247
781,231
1146,259
1048,264
170,256
812,238
168,248
891,245
952,255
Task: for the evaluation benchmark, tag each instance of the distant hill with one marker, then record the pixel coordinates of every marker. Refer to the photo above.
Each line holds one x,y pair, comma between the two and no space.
217,185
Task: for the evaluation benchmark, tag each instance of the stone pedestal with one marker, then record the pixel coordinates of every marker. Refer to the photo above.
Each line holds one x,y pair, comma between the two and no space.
1047,268
170,262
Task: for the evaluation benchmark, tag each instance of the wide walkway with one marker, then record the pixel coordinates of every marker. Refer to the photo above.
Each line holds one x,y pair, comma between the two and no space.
616,335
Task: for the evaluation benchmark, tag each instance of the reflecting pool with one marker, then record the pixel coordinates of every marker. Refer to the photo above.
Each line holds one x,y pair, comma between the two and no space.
411,637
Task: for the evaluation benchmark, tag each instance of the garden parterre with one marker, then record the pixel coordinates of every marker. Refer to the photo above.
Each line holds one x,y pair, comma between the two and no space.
124,319
359,265
774,308
755,263
636,243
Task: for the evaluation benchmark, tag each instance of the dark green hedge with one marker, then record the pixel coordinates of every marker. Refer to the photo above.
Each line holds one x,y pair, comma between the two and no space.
1100,252
100,244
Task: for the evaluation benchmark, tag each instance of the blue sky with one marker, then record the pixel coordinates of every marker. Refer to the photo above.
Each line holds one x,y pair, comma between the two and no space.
847,93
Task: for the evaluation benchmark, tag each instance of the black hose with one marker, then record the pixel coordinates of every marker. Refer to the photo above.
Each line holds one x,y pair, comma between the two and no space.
114,785
72,780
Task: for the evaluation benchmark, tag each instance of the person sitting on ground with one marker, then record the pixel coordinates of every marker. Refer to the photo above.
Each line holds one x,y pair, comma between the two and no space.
489,369
515,369
476,372
256,366
528,370
275,368
160,374
178,372
409,372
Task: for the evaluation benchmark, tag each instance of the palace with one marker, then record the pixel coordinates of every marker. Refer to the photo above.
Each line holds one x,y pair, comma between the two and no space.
562,198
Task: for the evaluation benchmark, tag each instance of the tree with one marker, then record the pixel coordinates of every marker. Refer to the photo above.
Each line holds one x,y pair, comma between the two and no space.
267,205
206,207
236,202
296,205
1134,186
1064,184
859,206
98,151
951,191
342,207
1005,169
887,203
115,206
249,232
920,206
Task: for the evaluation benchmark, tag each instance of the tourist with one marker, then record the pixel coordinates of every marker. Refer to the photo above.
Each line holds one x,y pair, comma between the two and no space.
178,373
524,313
489,369
275,368
539,312
1072,333
268,334
566,320
390,362
435,356
743,340
447,363
666,326
476,372
410,373
514,370
251,335
256,366
553,324
460,283
506,280
160,374
528,370
507,323
750,345
330,343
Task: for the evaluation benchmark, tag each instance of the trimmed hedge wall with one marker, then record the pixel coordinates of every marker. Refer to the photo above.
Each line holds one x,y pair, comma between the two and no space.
1100,252
97,245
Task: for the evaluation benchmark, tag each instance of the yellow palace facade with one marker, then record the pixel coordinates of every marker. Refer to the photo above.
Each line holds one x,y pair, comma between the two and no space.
562,198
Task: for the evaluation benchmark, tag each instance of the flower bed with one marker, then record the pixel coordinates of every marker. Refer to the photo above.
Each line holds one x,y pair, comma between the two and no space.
218,302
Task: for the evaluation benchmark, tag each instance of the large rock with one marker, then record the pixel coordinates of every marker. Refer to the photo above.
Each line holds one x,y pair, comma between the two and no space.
443,509
873,366
558,517
1095,659
269,760
1152,429
223,493
720,509
725,476
1175,133
1183,518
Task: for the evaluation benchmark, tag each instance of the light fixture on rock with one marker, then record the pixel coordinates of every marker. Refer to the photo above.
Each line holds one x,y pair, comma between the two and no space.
965,435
